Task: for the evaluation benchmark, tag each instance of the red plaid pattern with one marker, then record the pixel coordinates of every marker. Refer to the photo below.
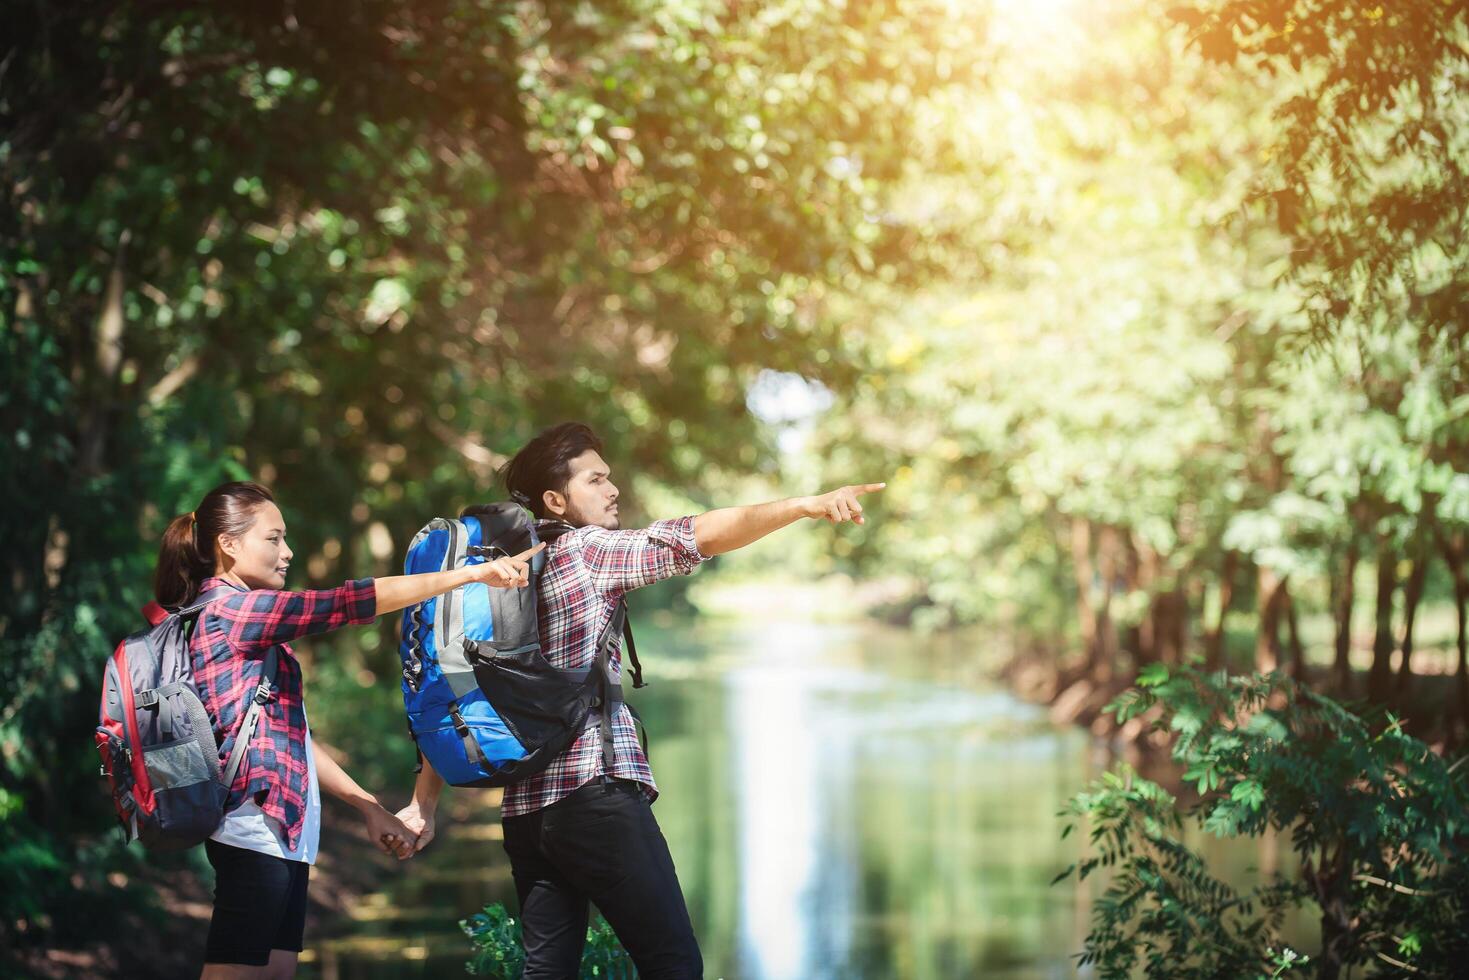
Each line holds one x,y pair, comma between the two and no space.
229,645
587,571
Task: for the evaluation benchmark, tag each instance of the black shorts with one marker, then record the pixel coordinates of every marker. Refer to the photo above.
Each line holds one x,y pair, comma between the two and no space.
259,905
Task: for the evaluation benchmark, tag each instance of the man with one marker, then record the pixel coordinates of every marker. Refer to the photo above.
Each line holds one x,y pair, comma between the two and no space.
582,830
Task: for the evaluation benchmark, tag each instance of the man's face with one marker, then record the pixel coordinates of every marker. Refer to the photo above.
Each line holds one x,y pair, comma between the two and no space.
590,497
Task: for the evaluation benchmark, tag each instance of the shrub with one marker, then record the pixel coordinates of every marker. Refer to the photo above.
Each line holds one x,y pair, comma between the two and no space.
499,954
1376,819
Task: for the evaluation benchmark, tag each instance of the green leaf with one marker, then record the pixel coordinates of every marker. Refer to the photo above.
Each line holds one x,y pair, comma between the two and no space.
1152,675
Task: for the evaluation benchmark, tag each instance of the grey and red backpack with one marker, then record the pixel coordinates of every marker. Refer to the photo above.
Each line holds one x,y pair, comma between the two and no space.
157,745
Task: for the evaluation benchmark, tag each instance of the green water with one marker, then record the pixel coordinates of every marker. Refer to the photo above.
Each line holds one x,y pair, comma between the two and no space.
840,801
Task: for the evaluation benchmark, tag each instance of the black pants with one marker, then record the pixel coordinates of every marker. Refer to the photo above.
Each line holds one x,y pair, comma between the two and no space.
600,844
259,905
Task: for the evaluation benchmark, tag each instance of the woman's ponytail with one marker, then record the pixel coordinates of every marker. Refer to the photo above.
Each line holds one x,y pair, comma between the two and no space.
187,555
181,569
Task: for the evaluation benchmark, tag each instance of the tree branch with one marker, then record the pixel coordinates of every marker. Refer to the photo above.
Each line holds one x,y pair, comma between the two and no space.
1400,889
1398,963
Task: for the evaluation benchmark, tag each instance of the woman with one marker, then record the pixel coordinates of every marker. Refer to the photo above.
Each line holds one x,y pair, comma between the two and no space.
234,543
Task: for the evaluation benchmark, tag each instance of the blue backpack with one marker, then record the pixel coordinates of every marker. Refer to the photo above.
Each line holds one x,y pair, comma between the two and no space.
484,705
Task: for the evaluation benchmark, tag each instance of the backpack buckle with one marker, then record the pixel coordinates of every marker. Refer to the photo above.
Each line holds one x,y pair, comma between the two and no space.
262,693
146,699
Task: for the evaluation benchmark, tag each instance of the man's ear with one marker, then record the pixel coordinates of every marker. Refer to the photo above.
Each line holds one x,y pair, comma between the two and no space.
555,503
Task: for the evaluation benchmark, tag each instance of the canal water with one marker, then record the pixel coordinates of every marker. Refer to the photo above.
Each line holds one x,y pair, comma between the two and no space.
843,801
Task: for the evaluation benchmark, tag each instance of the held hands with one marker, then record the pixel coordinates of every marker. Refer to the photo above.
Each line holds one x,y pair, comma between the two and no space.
420,821
840,505
390,834
506,573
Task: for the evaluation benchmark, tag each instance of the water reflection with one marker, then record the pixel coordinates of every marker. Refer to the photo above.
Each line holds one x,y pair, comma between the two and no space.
886,822
841,801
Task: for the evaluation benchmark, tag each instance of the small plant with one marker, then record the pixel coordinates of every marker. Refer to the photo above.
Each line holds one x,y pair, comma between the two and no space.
1377,821
499,954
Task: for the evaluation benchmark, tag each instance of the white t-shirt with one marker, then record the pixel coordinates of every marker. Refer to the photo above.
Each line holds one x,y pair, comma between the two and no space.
248,827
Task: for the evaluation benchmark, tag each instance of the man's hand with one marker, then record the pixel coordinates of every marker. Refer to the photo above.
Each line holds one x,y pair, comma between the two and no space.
420,821
506,573
840,505
388,832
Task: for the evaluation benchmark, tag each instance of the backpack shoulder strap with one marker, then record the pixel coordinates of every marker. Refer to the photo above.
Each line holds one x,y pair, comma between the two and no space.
252,717
190,614
602,667
612,693
549,531
203,599
620,623
631,647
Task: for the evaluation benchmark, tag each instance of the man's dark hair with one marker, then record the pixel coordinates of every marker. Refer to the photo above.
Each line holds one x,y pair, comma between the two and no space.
545,463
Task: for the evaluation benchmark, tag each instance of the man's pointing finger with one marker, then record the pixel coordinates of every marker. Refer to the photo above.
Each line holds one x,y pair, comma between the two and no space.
869,487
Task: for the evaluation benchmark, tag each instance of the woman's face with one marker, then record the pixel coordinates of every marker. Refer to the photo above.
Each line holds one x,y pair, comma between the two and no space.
260,557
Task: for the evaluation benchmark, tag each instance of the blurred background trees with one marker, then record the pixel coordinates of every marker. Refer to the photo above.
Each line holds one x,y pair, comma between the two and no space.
1213,403
1152,316
362,251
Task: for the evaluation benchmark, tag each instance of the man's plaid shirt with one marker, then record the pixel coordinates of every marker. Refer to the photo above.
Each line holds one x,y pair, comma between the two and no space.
587,571
229,645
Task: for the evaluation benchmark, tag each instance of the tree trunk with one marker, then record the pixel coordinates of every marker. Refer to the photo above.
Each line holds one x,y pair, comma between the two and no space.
1461,676
1461,601
1086,612
1171,624
1106,629
1331,885
1293,635
1412,595
1344,596
1379,679
106,353
1214,646
1269,595
1165,626
1455,551
1132,635
1336,937
1145,566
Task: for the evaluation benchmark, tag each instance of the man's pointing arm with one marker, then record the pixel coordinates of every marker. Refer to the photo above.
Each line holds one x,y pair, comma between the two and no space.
728,528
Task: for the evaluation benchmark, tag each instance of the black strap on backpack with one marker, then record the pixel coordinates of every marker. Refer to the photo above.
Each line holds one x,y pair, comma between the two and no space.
550,531
610,691
632,651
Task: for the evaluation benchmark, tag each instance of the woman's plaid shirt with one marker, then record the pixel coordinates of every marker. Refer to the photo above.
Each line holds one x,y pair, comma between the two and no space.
229,646
587,571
